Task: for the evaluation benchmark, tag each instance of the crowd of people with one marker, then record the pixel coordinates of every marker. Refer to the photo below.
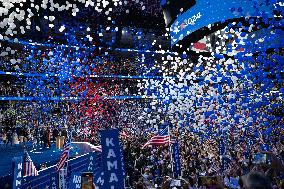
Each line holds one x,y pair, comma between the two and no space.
225,113
201,155
246,130
56,59
201,158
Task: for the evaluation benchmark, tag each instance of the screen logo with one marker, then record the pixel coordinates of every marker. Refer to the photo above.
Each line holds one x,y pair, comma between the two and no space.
190,21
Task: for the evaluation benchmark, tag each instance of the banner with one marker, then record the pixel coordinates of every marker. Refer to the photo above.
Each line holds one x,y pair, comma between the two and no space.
54,180
122,160
222,149
17,166
225,163
75,181
93,163
111,160
62,178
176,158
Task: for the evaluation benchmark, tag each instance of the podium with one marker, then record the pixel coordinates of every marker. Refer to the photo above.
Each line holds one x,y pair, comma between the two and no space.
60,142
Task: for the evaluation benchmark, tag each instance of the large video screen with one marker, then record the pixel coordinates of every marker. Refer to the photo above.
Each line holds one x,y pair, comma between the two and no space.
206,12
172,8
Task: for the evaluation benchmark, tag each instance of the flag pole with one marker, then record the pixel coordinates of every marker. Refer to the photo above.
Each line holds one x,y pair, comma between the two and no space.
171,155
65,169
69,140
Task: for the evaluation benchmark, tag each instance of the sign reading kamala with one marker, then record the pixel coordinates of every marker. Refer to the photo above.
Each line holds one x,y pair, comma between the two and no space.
112,160
122,160
54,180
17,166
206,12
176,157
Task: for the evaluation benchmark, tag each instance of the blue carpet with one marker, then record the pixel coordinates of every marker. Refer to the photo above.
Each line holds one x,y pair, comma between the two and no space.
49,156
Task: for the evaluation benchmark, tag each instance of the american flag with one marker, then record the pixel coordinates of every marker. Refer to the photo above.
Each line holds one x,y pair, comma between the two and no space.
29,167
162,138
64,156
123,134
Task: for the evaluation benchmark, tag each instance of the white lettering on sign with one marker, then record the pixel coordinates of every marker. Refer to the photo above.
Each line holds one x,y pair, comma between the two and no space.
113,177
89,168
100,181
111,165
19,174
54,186
122,162
20,166
109,141
77,179
18,183
190,21
111,154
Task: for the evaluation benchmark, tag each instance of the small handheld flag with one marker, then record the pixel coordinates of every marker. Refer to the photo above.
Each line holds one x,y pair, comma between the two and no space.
64,156
29,167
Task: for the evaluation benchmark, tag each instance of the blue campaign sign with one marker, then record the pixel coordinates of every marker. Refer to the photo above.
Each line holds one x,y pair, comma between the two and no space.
17,166
225,163
122,160
62,178
176,157
54,180
206,12
75,180
222,149
93,163
111,160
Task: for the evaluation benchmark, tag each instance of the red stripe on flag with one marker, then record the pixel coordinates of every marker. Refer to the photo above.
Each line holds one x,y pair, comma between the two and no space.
29,168
158,140
63,157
